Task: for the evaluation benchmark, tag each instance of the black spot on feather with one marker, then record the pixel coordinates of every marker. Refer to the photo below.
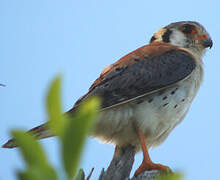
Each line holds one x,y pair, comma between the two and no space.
165,97
165,104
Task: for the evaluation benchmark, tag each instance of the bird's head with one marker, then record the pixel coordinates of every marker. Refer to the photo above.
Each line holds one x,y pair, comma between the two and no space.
185,34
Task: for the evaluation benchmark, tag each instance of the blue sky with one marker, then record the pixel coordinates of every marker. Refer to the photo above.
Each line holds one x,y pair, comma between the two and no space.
39,39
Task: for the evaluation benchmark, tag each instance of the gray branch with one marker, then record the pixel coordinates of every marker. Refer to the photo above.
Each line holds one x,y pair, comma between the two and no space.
120,167
121,164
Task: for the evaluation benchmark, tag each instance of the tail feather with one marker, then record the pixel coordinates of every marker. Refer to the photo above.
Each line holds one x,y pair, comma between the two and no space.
40,132
9,144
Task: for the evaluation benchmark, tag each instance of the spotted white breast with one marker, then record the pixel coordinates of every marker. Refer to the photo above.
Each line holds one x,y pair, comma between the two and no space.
156,114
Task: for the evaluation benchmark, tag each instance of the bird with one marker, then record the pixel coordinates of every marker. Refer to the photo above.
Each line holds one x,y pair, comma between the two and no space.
148,92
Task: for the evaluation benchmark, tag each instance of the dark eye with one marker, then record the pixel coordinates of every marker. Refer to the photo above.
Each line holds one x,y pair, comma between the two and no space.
187,28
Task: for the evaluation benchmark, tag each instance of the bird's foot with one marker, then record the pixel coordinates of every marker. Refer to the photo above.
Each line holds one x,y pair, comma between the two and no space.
147,166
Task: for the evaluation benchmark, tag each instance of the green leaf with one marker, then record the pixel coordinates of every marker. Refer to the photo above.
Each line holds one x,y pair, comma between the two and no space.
36,173
26,176
34,156
31,150
75,132
54,108
176,176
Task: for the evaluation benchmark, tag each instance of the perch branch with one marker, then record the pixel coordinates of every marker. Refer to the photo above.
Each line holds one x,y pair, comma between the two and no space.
121,165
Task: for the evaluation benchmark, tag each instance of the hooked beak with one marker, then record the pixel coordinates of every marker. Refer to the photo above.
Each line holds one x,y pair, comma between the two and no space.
207,43
205,40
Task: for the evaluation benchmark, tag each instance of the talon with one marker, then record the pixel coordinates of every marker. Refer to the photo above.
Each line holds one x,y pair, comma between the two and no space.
148,166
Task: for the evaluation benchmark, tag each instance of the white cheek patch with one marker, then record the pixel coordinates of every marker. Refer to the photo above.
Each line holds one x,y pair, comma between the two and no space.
178,39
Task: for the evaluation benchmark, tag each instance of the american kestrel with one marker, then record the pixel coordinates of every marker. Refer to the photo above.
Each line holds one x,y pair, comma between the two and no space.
146,93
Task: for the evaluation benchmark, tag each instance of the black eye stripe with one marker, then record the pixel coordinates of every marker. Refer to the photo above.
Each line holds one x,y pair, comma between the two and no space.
152,39
166,36
187,28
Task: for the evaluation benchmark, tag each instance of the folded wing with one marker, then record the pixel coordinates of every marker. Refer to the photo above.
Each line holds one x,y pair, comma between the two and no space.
145,70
